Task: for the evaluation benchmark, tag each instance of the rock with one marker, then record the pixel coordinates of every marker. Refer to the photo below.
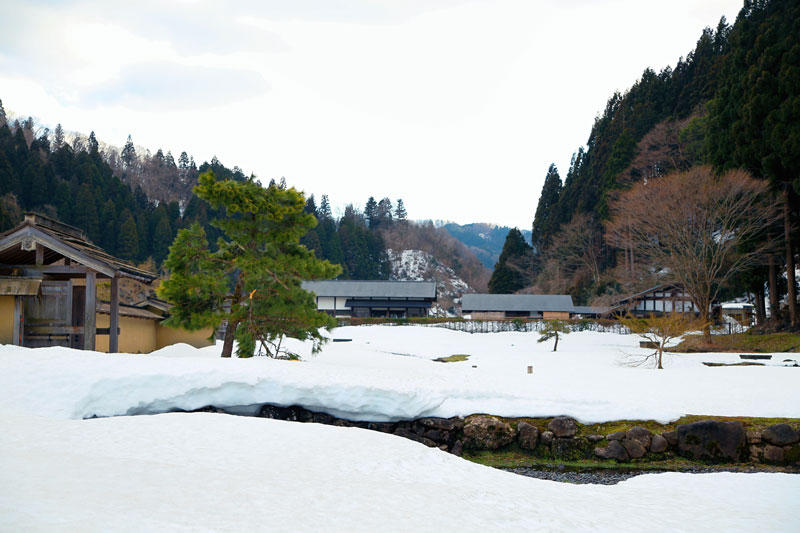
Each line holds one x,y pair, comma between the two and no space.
487,433
712,440
383,427
780,435
443,424
614,450
672,438
634,448
443,447
619,435
658,444
568,448
563,426
528,436
437,435
546,438
754,437
457,448
773,454
755,453
403,432
640,435
595,438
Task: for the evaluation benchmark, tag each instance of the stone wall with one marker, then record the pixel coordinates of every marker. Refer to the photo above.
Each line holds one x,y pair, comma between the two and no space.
563,438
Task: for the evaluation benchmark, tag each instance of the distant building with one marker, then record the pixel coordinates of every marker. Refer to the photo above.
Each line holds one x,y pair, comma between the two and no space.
500,306
657,300
376,299
48,294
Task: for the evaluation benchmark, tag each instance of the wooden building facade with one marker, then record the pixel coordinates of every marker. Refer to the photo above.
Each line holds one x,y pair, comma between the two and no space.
48,294
373,299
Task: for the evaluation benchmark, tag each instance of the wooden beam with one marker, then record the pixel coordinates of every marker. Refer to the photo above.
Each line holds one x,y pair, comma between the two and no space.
39,254
27,233
90,311
113,341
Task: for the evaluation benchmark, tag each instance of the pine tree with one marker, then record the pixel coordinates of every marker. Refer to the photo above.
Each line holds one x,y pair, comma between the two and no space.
263,255
3,119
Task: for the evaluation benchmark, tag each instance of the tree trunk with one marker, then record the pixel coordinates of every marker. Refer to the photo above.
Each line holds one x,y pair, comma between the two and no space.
230,329
787,231
555,346
773,288
660,353
761,315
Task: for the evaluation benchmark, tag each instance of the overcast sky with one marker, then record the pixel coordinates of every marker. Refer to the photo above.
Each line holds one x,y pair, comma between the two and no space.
458,107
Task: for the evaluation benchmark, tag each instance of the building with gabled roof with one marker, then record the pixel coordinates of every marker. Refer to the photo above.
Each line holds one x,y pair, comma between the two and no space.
48,293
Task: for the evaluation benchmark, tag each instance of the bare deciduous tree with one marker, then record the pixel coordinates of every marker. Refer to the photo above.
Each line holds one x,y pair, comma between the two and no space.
659,331
693,227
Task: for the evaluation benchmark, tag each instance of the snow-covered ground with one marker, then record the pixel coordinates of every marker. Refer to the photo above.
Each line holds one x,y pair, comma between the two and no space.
387,373
216,472
205,471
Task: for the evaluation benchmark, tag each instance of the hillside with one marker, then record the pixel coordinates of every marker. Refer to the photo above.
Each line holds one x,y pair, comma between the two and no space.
731,102
484,240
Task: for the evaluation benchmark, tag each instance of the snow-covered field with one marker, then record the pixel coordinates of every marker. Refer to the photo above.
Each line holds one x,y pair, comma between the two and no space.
205,471
387,373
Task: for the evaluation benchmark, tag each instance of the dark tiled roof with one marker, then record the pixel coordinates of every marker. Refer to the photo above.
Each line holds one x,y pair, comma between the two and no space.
517,302
372,289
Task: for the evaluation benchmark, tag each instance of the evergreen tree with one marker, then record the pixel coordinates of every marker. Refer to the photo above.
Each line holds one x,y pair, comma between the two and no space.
755,116
512,271
58,137
128,239
545,217
94,146
128,154
264,256
325,208
162,238
371,212
3,119
400,214
384,213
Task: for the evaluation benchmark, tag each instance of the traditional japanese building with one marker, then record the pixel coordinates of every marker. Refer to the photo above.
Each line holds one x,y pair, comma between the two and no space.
49,274
500,306
364,299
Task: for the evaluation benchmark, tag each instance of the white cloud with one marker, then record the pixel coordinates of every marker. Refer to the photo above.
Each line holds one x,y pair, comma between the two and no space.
457,107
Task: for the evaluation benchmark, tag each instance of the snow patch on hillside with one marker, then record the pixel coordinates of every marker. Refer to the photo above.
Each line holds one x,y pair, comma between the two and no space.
417,265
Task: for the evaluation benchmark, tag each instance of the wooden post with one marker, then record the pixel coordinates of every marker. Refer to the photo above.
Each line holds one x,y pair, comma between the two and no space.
39,254
17,332
113,339
90,311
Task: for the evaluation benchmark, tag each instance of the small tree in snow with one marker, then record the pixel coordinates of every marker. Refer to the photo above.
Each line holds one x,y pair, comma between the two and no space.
659,331
551,330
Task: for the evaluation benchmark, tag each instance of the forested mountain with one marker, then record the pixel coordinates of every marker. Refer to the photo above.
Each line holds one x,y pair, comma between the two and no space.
733,102
132,204
484,240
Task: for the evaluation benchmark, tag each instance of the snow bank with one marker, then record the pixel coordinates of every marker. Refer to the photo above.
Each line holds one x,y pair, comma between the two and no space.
387,373
223,473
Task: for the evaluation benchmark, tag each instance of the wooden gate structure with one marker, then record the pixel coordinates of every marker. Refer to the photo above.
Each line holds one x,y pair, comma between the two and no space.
51,270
